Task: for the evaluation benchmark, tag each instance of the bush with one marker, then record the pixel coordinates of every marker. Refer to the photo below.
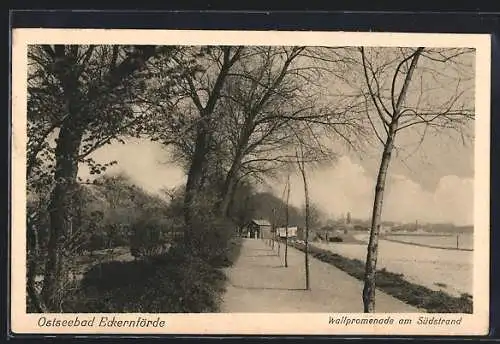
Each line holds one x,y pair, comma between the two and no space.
335,239
164,284
211,239
95,243
177,281
149,236
234,250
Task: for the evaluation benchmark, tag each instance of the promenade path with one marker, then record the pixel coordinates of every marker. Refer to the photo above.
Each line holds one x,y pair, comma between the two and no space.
259,282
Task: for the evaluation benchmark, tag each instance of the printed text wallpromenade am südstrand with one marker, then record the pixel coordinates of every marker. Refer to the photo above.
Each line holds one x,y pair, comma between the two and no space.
388,320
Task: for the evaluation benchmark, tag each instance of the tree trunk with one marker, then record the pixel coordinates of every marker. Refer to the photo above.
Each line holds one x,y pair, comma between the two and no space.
60,212
371,258
228,189
194,180
231,207
300,162
199,159
34,255
306,256
231,177
287,220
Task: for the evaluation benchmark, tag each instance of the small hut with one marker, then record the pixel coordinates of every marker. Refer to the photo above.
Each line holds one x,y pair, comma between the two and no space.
258,229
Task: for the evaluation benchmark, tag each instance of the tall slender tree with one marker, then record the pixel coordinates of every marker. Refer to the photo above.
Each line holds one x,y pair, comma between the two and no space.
300,156
287,219
419,89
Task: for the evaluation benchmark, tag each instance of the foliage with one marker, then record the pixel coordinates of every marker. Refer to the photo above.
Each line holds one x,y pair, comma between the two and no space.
176,281
149,236
265,202
166,284
242,209
105,213
102,83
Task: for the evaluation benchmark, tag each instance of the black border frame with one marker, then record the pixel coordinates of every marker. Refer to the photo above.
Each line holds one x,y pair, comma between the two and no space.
464,21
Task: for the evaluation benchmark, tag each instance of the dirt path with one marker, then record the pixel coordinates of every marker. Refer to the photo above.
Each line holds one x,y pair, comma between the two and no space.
258,282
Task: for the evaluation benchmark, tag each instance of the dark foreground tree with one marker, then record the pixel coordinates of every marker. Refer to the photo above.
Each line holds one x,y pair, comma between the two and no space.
204,94
94,86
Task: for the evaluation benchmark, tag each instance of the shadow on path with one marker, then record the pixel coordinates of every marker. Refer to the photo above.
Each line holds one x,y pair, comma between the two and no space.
267,288
258,282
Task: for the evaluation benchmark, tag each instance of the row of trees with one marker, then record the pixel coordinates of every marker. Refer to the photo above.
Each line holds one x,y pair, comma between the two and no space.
232,116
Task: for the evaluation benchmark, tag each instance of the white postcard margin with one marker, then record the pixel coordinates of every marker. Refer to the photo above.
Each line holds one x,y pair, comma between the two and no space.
254,323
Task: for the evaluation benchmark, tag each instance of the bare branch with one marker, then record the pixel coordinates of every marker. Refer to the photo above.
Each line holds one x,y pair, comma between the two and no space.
380,112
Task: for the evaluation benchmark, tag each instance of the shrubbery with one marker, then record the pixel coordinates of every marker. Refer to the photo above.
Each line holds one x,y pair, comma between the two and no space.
212,241
166,275
168,283
149,236
177,280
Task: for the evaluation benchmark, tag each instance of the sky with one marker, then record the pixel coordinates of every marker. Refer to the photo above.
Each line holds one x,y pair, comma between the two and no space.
431,184
146,163
435,185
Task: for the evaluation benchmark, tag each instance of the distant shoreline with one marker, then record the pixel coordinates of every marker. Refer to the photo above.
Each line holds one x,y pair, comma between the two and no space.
426,245
430,234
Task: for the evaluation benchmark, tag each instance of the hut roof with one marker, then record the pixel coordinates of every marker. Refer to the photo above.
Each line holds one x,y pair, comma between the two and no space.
261,222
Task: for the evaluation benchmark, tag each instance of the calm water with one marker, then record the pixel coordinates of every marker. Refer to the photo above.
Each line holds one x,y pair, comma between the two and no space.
465,241
437,269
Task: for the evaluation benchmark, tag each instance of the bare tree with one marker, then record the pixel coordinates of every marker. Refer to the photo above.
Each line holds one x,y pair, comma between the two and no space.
278,88
204,94
302,168
286,221
256,86
419,89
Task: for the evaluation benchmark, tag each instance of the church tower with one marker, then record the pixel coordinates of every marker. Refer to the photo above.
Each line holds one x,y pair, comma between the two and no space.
347,223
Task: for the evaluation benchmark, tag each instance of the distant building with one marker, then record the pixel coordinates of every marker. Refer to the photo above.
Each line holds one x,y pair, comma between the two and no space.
385,229
258,229
327,233
361,228
346,225
292,232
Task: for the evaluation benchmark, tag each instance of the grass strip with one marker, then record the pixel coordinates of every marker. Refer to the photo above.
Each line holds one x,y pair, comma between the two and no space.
395,285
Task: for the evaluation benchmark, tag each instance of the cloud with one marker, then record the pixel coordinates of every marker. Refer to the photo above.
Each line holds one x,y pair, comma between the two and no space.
143,161
347,187
343,187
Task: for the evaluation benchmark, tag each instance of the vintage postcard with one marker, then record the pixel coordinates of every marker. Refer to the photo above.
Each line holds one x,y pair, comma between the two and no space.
232,182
